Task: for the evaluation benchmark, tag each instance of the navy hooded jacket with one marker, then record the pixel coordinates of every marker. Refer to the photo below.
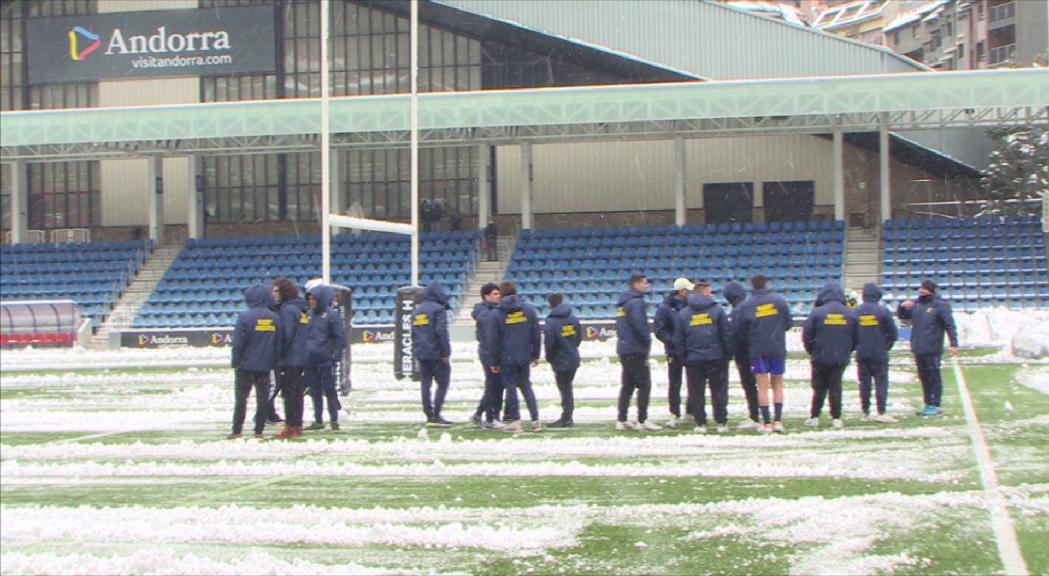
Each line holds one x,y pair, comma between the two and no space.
633,335
930,317
325,333
484,329
763,321
735,294
430,325
703,331
256,336
665,324
294,321
561,337
518,340
876,326
830,330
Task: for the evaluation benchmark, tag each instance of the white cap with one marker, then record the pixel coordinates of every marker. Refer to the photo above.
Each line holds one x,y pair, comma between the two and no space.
682,284
313,283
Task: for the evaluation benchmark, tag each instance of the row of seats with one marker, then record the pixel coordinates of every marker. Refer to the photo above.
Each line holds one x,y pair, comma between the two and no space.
686,230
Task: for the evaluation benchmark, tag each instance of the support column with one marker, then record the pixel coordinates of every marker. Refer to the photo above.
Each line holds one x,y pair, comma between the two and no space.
839,172
679,181
884,159
155,188
194,197
484,188
19,201
338,200
526,186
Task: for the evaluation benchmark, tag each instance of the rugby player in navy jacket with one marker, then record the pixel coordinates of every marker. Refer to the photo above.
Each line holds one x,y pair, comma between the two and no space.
736,295
256,346
561,337
517,347
665,326
704,338
484,330
930,318
877,334
432,348
325,344
764,319
291,363
633,344
830,337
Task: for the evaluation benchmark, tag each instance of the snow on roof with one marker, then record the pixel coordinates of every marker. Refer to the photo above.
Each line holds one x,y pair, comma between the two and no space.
789,14
905,18
849,13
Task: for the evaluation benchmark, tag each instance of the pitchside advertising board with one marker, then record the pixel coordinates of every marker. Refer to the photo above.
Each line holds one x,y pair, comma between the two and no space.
130,45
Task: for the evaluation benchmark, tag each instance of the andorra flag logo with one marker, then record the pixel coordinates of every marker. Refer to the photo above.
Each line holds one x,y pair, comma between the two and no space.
82,43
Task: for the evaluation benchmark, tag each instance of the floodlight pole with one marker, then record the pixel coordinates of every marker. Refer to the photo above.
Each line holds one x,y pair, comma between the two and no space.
325,152
413,27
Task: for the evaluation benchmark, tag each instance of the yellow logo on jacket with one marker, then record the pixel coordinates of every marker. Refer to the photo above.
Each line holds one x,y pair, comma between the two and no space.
421,320
835,320
516,317
766,310
869,320
568,330
265,325
620,312
304,318
700,320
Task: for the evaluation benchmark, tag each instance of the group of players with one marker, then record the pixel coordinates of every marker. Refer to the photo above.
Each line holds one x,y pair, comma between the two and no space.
699,339
301,341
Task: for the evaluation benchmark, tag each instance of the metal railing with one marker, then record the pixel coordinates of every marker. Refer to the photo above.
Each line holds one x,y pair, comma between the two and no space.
1002,12
1002,54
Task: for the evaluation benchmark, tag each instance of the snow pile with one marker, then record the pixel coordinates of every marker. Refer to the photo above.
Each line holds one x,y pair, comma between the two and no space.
998,327
1035,379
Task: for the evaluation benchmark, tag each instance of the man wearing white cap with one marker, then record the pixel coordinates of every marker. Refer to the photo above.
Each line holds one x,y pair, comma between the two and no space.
665,325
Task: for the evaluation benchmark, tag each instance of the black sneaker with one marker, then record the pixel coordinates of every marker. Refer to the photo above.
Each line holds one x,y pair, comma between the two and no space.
560,423
334,426
275,419
234,436
439,422
476,419
316,426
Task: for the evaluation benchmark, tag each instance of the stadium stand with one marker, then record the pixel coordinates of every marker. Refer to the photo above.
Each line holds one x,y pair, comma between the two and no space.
204,286
590,266
93,274
978,262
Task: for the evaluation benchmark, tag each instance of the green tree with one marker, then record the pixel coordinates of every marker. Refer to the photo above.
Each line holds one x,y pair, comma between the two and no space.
1018,174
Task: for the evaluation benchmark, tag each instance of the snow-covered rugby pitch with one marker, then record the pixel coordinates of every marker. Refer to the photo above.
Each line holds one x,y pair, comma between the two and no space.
126,470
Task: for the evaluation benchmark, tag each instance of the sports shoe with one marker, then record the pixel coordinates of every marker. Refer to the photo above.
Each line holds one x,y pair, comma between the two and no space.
234,436
476,419
442,423
884,419
748,424
813,422
931,411
285,433
274,419
766,429
922,411
316,426
649,427
560,423
334,426
866,417
537,426
493,425
625,425
722,428
837,423
778,428
514,426
700,429
671,422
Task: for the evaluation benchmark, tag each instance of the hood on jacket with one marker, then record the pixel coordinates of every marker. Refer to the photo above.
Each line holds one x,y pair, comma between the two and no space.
831,292
481,307
871,292
324,295
734,292
628,295
258,296
672,301
699,302
435,292
562,310
510,303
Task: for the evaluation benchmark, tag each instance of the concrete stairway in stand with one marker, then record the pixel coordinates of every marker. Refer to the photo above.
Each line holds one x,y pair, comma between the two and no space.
136,294
862,258
484,273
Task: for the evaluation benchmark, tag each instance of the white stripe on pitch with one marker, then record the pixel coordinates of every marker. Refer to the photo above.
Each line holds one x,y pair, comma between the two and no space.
1001,522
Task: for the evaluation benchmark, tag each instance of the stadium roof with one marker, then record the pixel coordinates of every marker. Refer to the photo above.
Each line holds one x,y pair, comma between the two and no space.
802,105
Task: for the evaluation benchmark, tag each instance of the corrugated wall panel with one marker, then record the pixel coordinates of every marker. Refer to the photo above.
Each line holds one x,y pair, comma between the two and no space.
702,38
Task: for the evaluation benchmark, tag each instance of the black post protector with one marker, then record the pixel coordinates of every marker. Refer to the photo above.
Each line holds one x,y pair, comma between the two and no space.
344,300
404,363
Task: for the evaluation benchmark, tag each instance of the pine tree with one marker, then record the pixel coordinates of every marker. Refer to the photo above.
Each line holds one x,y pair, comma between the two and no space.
1018,174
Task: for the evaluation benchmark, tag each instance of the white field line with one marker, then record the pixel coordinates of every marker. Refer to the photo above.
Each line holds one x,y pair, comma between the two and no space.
1001,522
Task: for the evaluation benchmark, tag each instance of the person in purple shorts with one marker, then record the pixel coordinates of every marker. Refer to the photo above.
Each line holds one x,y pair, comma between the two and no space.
764,320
